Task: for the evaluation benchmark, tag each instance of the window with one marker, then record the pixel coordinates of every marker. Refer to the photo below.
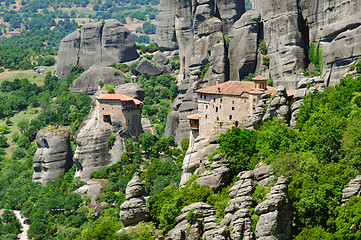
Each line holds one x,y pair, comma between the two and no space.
232,102
221,100
217,119
232,108
206,116
206,106
230,117
216,109
102,108
214,99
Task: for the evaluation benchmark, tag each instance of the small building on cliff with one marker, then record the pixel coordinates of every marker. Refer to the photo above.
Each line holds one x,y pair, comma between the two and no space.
227,104
120,109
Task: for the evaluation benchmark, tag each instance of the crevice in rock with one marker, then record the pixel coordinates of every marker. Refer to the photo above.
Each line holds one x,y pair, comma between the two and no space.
305,33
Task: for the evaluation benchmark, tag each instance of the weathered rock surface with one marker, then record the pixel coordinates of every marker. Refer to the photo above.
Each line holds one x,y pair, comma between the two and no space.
147,126
165,34
275,221
148,68
272,107
353,189
204,225
218,176
92,188
243,45
134,209
282,33
53,156
88,81
93,152
337,27
93,43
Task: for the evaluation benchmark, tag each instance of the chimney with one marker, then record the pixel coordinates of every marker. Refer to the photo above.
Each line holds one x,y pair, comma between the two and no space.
218,80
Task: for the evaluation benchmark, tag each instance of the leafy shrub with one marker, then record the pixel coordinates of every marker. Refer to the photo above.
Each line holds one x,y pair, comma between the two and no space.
111,141
315,56
265,61
262,47
109,88
204,71
175,63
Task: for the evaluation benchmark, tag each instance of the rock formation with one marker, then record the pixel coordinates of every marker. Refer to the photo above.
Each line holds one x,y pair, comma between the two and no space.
134,209
92,188
271,107
199,34
93,152
282,33
353,189
88,81
214,175
53,156
336,26
204,224
275,221
93,43
148,68
243,45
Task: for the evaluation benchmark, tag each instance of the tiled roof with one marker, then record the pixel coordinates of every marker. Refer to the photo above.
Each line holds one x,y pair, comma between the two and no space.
291,92
193,117
258,78
234,88
121,97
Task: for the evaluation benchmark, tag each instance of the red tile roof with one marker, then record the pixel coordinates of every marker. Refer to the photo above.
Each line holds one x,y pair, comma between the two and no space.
121,97
106,114
259,78
234,88
193,117
291,92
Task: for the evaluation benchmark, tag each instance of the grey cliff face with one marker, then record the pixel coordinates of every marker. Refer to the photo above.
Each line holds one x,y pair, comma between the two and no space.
53,156
283,36
243,45
165,33
336,25
88,81
94,43
134,209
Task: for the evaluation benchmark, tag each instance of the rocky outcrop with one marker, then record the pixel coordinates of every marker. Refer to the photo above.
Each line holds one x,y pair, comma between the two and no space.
88,81
214,175
275,214
53,156
93,152
353,189
282,32
243,45
92,188
202,224
93,43
271,107
134,209
148,68
336,26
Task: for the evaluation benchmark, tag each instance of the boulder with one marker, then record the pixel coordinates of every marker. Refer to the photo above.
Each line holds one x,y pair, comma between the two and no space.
92,188
88,81
165,34
146,67
94,43
134,209
353,189
53,156
216,178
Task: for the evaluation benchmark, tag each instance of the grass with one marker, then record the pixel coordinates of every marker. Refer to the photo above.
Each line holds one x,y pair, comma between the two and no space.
27,114
29,74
